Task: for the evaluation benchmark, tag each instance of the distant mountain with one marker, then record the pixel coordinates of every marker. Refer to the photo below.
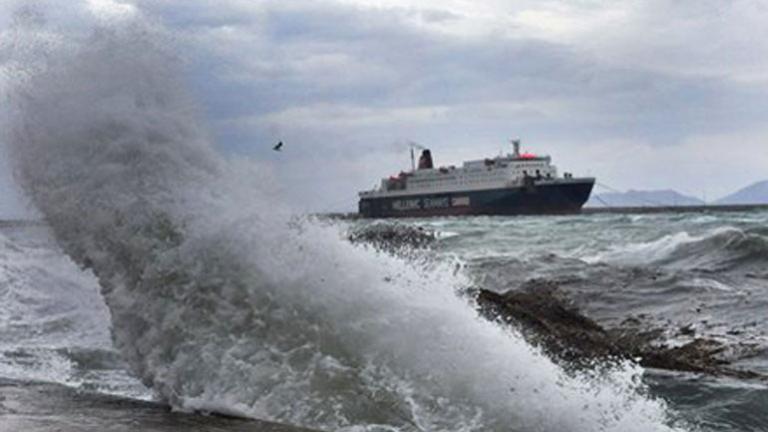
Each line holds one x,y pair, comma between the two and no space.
756,193
638,198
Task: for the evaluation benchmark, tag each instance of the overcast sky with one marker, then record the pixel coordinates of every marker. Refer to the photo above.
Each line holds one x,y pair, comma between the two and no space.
641,94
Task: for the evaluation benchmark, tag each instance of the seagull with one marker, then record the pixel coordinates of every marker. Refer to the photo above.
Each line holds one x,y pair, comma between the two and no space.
278,146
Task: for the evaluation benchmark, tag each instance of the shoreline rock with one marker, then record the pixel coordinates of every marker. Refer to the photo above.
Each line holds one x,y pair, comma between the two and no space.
546,318
43,407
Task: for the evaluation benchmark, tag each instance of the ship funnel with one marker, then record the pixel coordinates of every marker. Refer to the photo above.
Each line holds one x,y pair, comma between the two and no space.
425,161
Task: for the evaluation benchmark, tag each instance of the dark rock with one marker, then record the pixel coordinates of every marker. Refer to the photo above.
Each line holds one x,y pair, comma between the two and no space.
549,320
43,407
687,330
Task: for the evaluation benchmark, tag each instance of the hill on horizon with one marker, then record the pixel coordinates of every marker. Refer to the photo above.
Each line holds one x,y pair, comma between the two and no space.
642,198
756,193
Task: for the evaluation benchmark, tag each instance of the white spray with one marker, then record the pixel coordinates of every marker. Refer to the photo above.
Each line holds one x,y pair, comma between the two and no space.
219,303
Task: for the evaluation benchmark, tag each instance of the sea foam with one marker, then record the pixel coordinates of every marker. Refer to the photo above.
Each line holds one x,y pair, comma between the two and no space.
223,301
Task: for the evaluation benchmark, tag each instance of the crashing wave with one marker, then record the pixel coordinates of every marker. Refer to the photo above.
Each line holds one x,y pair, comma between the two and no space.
219,303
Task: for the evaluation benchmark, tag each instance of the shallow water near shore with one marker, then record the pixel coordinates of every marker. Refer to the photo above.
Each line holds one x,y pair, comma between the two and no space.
700,272
699,275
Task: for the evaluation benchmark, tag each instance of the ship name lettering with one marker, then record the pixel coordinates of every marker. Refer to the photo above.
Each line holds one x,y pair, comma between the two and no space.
407,204
462,201
436,202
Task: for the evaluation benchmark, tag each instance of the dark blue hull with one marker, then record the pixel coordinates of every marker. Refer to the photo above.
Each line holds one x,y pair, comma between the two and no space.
543,197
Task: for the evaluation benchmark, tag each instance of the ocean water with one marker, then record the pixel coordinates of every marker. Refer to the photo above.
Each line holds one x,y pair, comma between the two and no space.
705,271
167,271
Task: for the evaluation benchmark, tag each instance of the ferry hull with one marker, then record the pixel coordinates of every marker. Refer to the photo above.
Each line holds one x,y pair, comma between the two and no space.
544,197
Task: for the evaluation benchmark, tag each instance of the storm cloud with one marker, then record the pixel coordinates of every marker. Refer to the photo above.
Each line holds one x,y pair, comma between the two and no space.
654,94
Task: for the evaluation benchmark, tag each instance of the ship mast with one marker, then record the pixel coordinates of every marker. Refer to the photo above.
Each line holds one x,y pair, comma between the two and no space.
413,158
516,147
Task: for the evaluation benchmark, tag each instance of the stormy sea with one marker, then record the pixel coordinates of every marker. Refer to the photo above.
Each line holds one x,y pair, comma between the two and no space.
383,330
167,288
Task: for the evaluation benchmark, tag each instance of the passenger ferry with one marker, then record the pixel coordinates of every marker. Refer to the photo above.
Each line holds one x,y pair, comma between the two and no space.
512,184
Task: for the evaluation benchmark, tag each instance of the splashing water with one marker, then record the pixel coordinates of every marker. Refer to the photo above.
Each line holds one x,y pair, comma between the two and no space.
219,302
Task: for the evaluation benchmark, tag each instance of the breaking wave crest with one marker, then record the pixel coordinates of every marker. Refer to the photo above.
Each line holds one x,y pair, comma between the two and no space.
220,301
721,249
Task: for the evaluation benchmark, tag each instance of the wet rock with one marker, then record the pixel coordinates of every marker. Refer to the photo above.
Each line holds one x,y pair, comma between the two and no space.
699,355
548,320
43,407
546,317
687,330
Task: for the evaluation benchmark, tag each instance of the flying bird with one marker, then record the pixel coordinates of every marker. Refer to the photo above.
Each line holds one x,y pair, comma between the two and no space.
278,146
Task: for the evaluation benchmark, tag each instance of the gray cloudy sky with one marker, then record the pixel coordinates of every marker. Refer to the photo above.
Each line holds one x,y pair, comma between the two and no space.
640,94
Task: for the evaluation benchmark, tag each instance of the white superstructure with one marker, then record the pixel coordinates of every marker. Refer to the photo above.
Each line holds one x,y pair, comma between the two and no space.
499,172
